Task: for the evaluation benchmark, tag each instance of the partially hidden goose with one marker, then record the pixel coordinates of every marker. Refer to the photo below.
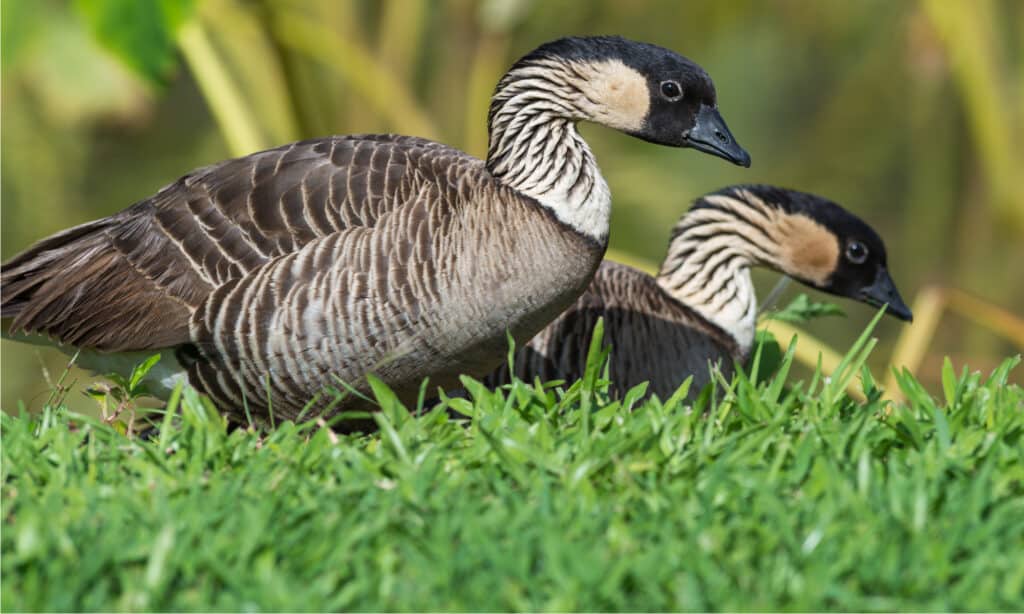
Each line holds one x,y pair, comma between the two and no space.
265,278
701,308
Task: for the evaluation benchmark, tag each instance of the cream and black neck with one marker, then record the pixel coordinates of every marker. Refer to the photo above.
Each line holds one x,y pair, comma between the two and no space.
707,267
535,147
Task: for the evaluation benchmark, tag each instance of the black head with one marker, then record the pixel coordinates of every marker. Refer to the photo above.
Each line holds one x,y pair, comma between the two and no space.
648,92
828,248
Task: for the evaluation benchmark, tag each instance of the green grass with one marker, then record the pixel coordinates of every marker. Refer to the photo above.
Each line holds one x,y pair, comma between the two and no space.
781,496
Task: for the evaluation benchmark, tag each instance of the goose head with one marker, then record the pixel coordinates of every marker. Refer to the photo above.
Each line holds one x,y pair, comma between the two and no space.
821,244
643,90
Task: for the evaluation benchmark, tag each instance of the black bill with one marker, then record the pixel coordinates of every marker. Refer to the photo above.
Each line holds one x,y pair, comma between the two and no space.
710,135
883,292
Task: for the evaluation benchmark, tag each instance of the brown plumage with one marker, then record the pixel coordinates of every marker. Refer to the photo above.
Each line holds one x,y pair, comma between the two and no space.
700,310
275,275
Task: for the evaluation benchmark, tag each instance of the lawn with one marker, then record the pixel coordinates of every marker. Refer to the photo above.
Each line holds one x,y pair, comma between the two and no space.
778,495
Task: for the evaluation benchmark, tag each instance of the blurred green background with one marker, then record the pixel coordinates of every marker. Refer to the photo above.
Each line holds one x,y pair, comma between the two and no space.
908,113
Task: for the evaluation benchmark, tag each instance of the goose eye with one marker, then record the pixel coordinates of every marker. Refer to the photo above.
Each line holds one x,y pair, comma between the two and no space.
856,252
671,90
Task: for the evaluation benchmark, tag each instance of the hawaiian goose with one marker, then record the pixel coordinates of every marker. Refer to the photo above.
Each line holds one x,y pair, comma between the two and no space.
266,278
701,307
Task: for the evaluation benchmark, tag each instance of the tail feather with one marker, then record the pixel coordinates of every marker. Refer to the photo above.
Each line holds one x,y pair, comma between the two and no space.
77,287
24,273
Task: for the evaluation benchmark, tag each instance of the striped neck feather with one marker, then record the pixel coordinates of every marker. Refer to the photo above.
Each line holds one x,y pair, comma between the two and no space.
536,149
707,267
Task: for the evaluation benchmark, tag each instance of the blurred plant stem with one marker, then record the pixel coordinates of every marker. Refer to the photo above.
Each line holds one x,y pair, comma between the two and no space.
360,69
929,307
255,113
402,27
488,60
240,76
234,117
968,30
933,189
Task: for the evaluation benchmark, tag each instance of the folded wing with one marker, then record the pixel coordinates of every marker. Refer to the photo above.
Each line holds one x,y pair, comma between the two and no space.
131,281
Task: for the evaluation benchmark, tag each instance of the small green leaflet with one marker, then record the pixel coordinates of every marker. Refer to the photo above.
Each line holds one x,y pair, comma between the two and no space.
802,309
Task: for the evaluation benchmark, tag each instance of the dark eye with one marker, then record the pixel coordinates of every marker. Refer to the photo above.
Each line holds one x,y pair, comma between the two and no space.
856,252
671,90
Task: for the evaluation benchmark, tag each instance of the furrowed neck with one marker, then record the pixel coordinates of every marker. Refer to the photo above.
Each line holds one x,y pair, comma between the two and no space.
536,149
708,264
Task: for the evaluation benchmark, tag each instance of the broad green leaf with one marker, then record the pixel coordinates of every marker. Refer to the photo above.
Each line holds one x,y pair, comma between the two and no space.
139,32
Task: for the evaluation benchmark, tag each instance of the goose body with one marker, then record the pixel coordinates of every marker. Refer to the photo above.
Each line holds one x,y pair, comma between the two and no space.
275,275
700,310
654,338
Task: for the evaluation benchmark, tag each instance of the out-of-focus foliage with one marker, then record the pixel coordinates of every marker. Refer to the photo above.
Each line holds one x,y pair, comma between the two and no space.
140,33
910,114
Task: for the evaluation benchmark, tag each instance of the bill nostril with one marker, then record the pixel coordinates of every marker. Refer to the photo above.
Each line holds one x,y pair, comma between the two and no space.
721,137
